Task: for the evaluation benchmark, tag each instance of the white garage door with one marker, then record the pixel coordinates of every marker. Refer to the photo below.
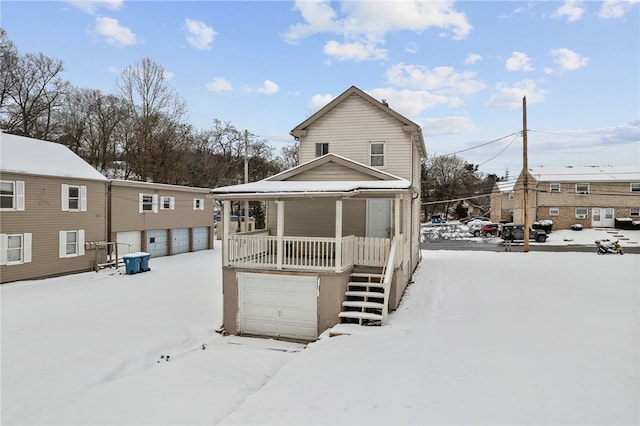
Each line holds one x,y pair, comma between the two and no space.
128,242
179,241
278,305
157,242
200,238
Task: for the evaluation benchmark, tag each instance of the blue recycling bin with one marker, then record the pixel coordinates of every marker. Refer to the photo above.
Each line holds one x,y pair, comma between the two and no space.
131,263
144,261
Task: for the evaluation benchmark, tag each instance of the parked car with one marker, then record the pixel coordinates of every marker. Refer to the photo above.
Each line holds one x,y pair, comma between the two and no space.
518,233
475,226
490,229
471,218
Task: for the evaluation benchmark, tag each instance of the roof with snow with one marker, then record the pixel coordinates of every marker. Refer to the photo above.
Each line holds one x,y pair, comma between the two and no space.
281,185
19,154
506,186
586,174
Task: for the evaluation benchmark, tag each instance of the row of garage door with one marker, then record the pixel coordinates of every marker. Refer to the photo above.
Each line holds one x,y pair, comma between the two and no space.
163,242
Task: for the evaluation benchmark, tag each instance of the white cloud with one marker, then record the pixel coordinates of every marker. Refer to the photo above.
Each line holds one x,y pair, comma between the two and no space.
114,32
412,102
447,126
218,84
90,6
612,9
442,79
318,101
518,62
511,96
268,88
472,58
354,51
114,70
168,75
200,34
568,60
571,9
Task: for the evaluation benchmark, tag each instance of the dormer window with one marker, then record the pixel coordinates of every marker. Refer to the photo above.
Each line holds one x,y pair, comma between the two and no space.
376,154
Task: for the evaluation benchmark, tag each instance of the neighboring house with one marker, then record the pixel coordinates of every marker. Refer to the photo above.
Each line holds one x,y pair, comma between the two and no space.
350,211
159,219
590,196
502,201
53,205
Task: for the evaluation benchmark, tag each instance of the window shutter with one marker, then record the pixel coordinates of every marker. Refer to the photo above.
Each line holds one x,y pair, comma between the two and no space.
62,244
19,195
83,198
65,197
4,243
155,203
140,203
26,248
81,242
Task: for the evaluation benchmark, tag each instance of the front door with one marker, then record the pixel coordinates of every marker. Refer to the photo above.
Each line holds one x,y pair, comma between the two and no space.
379,218
602,217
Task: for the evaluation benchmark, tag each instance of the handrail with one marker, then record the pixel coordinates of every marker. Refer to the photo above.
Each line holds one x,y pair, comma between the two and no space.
387,277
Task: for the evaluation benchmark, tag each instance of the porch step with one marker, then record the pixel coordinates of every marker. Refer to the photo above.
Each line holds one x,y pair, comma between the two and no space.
360,315
361,304
365,284
370,294
368,275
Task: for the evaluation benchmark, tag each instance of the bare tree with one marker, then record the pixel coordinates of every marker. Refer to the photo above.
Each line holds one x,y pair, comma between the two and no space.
289,156
8,62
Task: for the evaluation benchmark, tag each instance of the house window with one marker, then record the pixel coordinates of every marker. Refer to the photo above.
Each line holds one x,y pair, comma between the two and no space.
15,249
198,204
635,211
582,188
168,203
71,243
322,149
512,195
554,187
147,203
635,186
376,154
554,211
582,213
74,198
11,195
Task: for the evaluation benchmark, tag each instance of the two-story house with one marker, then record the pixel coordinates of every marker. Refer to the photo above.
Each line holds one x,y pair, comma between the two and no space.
502,201
591,196
52,204
349,212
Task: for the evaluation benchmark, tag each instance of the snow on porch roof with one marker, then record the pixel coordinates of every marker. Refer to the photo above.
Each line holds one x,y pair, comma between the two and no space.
273,189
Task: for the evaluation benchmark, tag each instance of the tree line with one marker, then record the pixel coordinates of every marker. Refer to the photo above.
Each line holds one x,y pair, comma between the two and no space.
140,132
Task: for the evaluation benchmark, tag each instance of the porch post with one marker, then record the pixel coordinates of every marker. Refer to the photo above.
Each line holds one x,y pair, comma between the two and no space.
226,210
280,234
396,215
338,261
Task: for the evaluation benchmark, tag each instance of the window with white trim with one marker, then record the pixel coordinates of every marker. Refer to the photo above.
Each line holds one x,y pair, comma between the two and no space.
74,198
11,195
554,187
635,187
167,203
512,195
322,149
148,203
582,188
71,243
15,249
635,211
554,211
376,154
198,203
582,212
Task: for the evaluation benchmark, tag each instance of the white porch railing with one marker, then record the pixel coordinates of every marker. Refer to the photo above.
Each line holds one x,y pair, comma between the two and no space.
259,250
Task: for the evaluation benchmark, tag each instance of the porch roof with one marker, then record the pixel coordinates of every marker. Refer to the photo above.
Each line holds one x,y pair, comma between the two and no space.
268,189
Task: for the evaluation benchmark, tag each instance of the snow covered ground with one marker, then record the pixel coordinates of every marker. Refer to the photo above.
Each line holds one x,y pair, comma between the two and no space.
480,338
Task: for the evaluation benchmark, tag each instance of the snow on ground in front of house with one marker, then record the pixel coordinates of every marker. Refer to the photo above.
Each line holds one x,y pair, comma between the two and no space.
480,338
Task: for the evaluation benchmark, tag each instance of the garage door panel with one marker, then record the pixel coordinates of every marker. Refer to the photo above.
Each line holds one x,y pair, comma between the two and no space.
278,305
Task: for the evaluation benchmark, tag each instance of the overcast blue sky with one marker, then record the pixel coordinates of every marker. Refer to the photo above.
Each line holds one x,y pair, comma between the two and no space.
459,69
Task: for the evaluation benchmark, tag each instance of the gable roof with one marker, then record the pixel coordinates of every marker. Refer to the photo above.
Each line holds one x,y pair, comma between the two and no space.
19,154
301,128
586,174
278,186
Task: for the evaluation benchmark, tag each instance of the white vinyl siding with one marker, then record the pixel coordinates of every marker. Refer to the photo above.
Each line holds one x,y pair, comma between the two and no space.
15,249
167,203
11,195
74,198
148,203
71,243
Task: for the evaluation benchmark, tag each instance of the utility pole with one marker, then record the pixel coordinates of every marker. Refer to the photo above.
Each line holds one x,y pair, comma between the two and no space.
525,174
